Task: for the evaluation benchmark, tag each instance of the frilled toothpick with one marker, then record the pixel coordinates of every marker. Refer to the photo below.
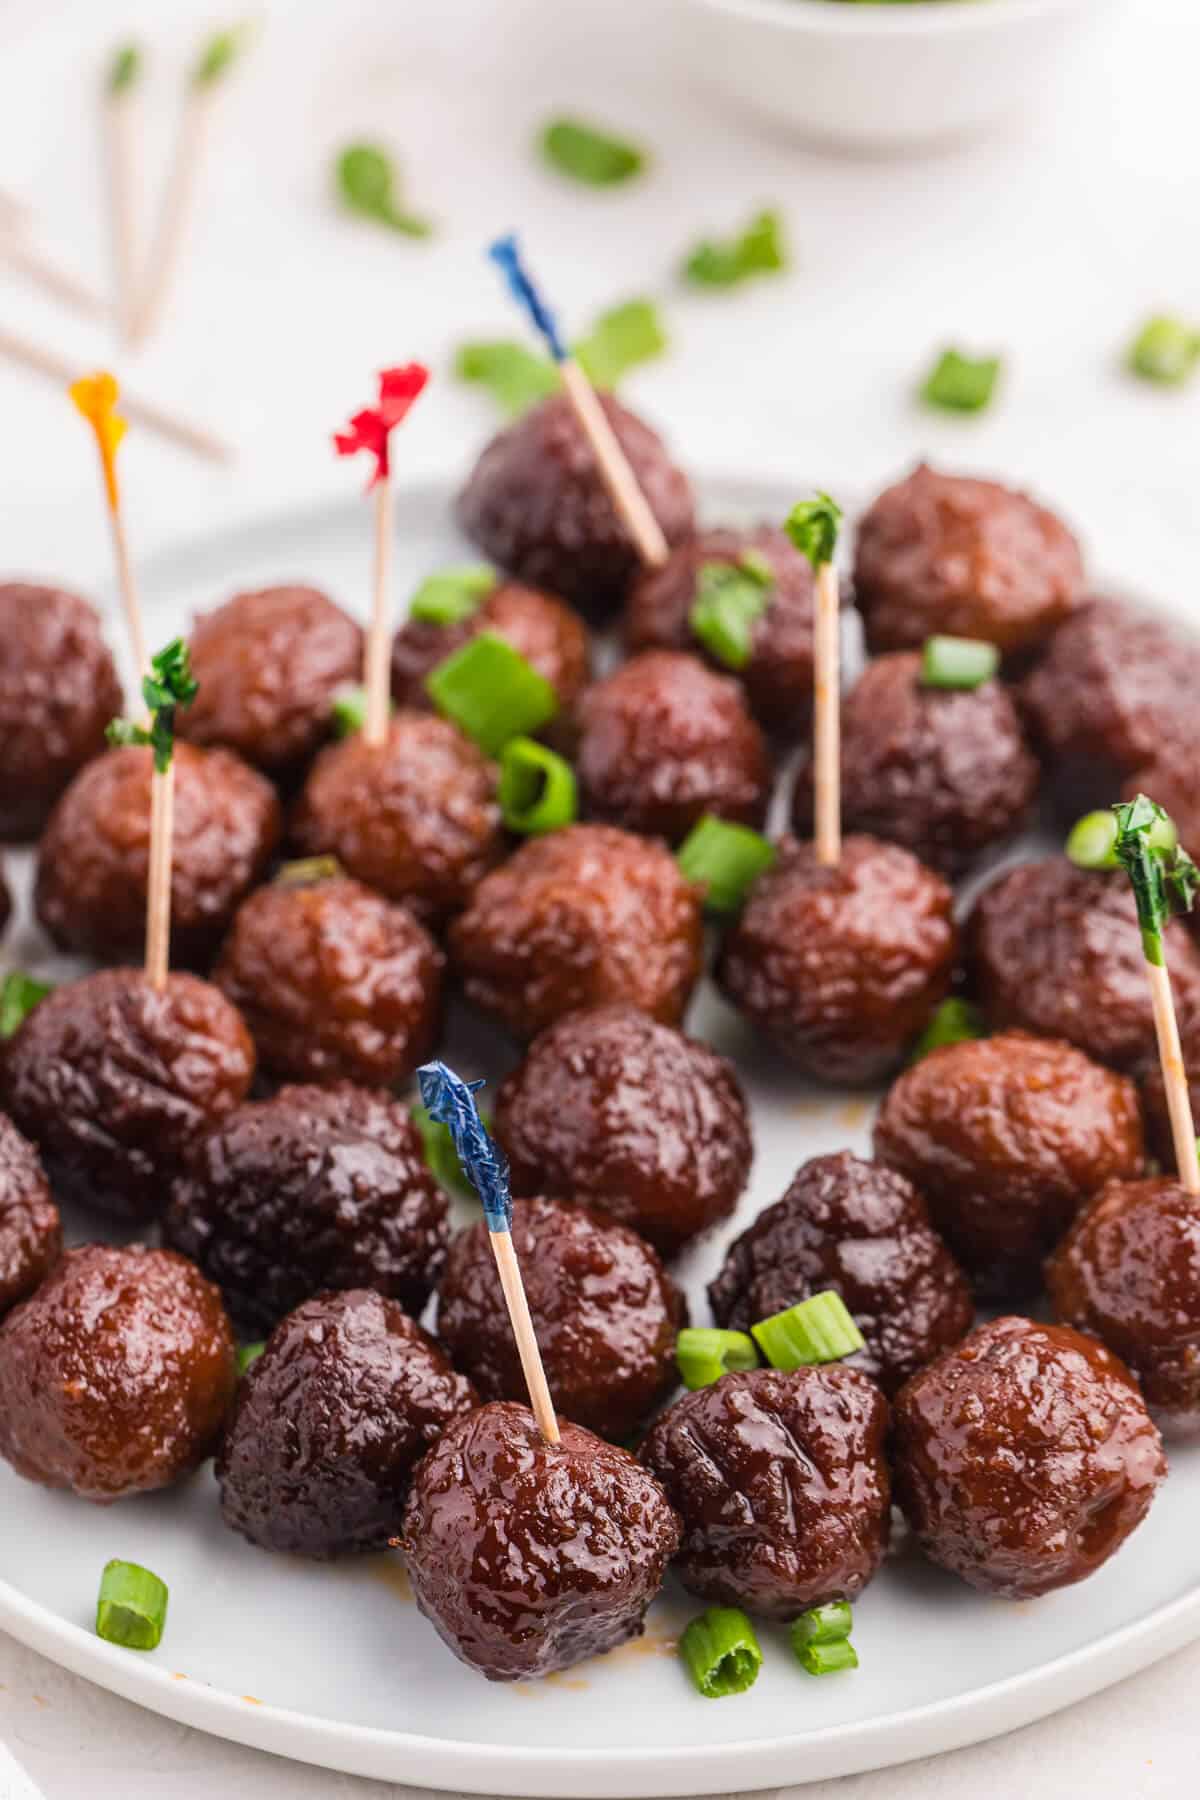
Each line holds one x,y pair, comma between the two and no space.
451,1101
371,430
813,527
631,505
96,398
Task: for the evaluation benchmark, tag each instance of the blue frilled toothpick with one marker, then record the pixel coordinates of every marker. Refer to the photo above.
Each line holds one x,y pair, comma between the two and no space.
451,1101
631,505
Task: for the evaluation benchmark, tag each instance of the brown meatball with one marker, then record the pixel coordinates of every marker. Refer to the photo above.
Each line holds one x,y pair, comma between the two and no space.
605,1313
329,1424
415,816
612,1108
268,664
94,854
535,503
947,774
841,967
552,639
1007,1137
664,741
1057,950
115,1376
334,981
782,1484
863,1231
314,1188
1024,1458
1129,1271
58,692
528,1557
949,553
30,1228
114,1080
580,917
5,900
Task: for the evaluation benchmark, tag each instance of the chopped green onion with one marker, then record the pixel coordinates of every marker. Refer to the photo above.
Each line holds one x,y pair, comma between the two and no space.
620,339
132,1606
537,788
348,710
720,1652
818,1330
588,154
1092,842
306,871
759,249
515,376
125,69
705,1354
957,662
169,685
449,596
730,599
19,994
1165,350
440,1154
822,1624
219,54
828,1659
725,860
247,1354
958,383
367,184
489,690
956,1021
813,527
1163,881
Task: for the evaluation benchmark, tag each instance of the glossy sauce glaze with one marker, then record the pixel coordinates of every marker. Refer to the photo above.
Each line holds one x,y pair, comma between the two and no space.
30,1228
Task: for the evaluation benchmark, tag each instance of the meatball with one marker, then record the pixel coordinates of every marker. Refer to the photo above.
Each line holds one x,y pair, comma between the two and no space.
552,639
605,1314
314,1188
1129,1271
329,1424
115,1376
612,1108
841,967
30,1228
114,1080
664,741
1007,1137
334,981
949,553
1057,950
863,1231
945,773
415,816
782,1485
526,1556
94,854
583,916
268,664
536,505
58,692
5,900
1024,1458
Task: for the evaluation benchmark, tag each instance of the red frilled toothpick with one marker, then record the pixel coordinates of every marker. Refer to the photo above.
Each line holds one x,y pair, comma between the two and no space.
371,430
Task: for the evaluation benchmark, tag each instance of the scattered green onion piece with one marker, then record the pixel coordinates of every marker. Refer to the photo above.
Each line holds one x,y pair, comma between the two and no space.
125,69
132,1606
537,788
956,1021
367,184
957,662
828,1659
449,596
822,1624
1164,881
730,599
489,691
219,54
515,376
19,994
620,339
440,1153
725,860
348,711
817,1330
959,383
704,1354
1165,350
247,1354
588,154
1092,842
759,249
721,1652
307,871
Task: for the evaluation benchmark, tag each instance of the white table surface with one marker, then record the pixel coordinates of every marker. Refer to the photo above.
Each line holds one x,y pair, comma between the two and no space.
1049,242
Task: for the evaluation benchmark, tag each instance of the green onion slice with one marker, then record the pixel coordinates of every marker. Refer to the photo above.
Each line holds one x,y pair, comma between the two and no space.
132,1606
19,994
818,1330
620,339
828,1659
489,691
247,1354
515,376
449,596
704,1354
307,871
959,383
1165,350
588,154
956,1021
956,662
125,69
759,249
725,860
822,1624
348,710
730,599
367,183
537,788
440,1154
1092,841
720,1652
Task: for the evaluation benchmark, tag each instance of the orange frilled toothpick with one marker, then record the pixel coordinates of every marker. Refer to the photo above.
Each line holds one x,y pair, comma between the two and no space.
96,398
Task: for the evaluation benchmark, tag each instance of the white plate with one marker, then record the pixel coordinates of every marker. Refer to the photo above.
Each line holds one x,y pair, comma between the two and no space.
333,1664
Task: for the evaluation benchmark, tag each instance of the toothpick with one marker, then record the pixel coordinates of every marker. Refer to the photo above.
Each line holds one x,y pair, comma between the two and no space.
812,526
19,253
96,398
123,133
158,895
1170,1056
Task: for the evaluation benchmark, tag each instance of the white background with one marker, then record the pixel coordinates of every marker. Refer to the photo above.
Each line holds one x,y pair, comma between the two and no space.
1048,242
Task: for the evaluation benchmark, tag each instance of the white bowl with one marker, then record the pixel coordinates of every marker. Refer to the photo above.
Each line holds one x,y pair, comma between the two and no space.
884,77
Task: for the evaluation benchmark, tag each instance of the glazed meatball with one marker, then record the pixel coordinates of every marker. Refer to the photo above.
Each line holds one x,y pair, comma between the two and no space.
114,1080
863,1231
1129,1271
535,503
30,1228
1007,1137
58,692
268,664
1057,950
329,1424
841,967
552,639
5,900
583,916
94,854
664,741
782,1485
115,1376
528,1557
778,679
945,773
334,981
605,1314
314,1188
1024,1458
949,553
415,816
612,1108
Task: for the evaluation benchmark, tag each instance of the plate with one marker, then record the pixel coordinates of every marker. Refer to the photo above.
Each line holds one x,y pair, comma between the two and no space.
332,1664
